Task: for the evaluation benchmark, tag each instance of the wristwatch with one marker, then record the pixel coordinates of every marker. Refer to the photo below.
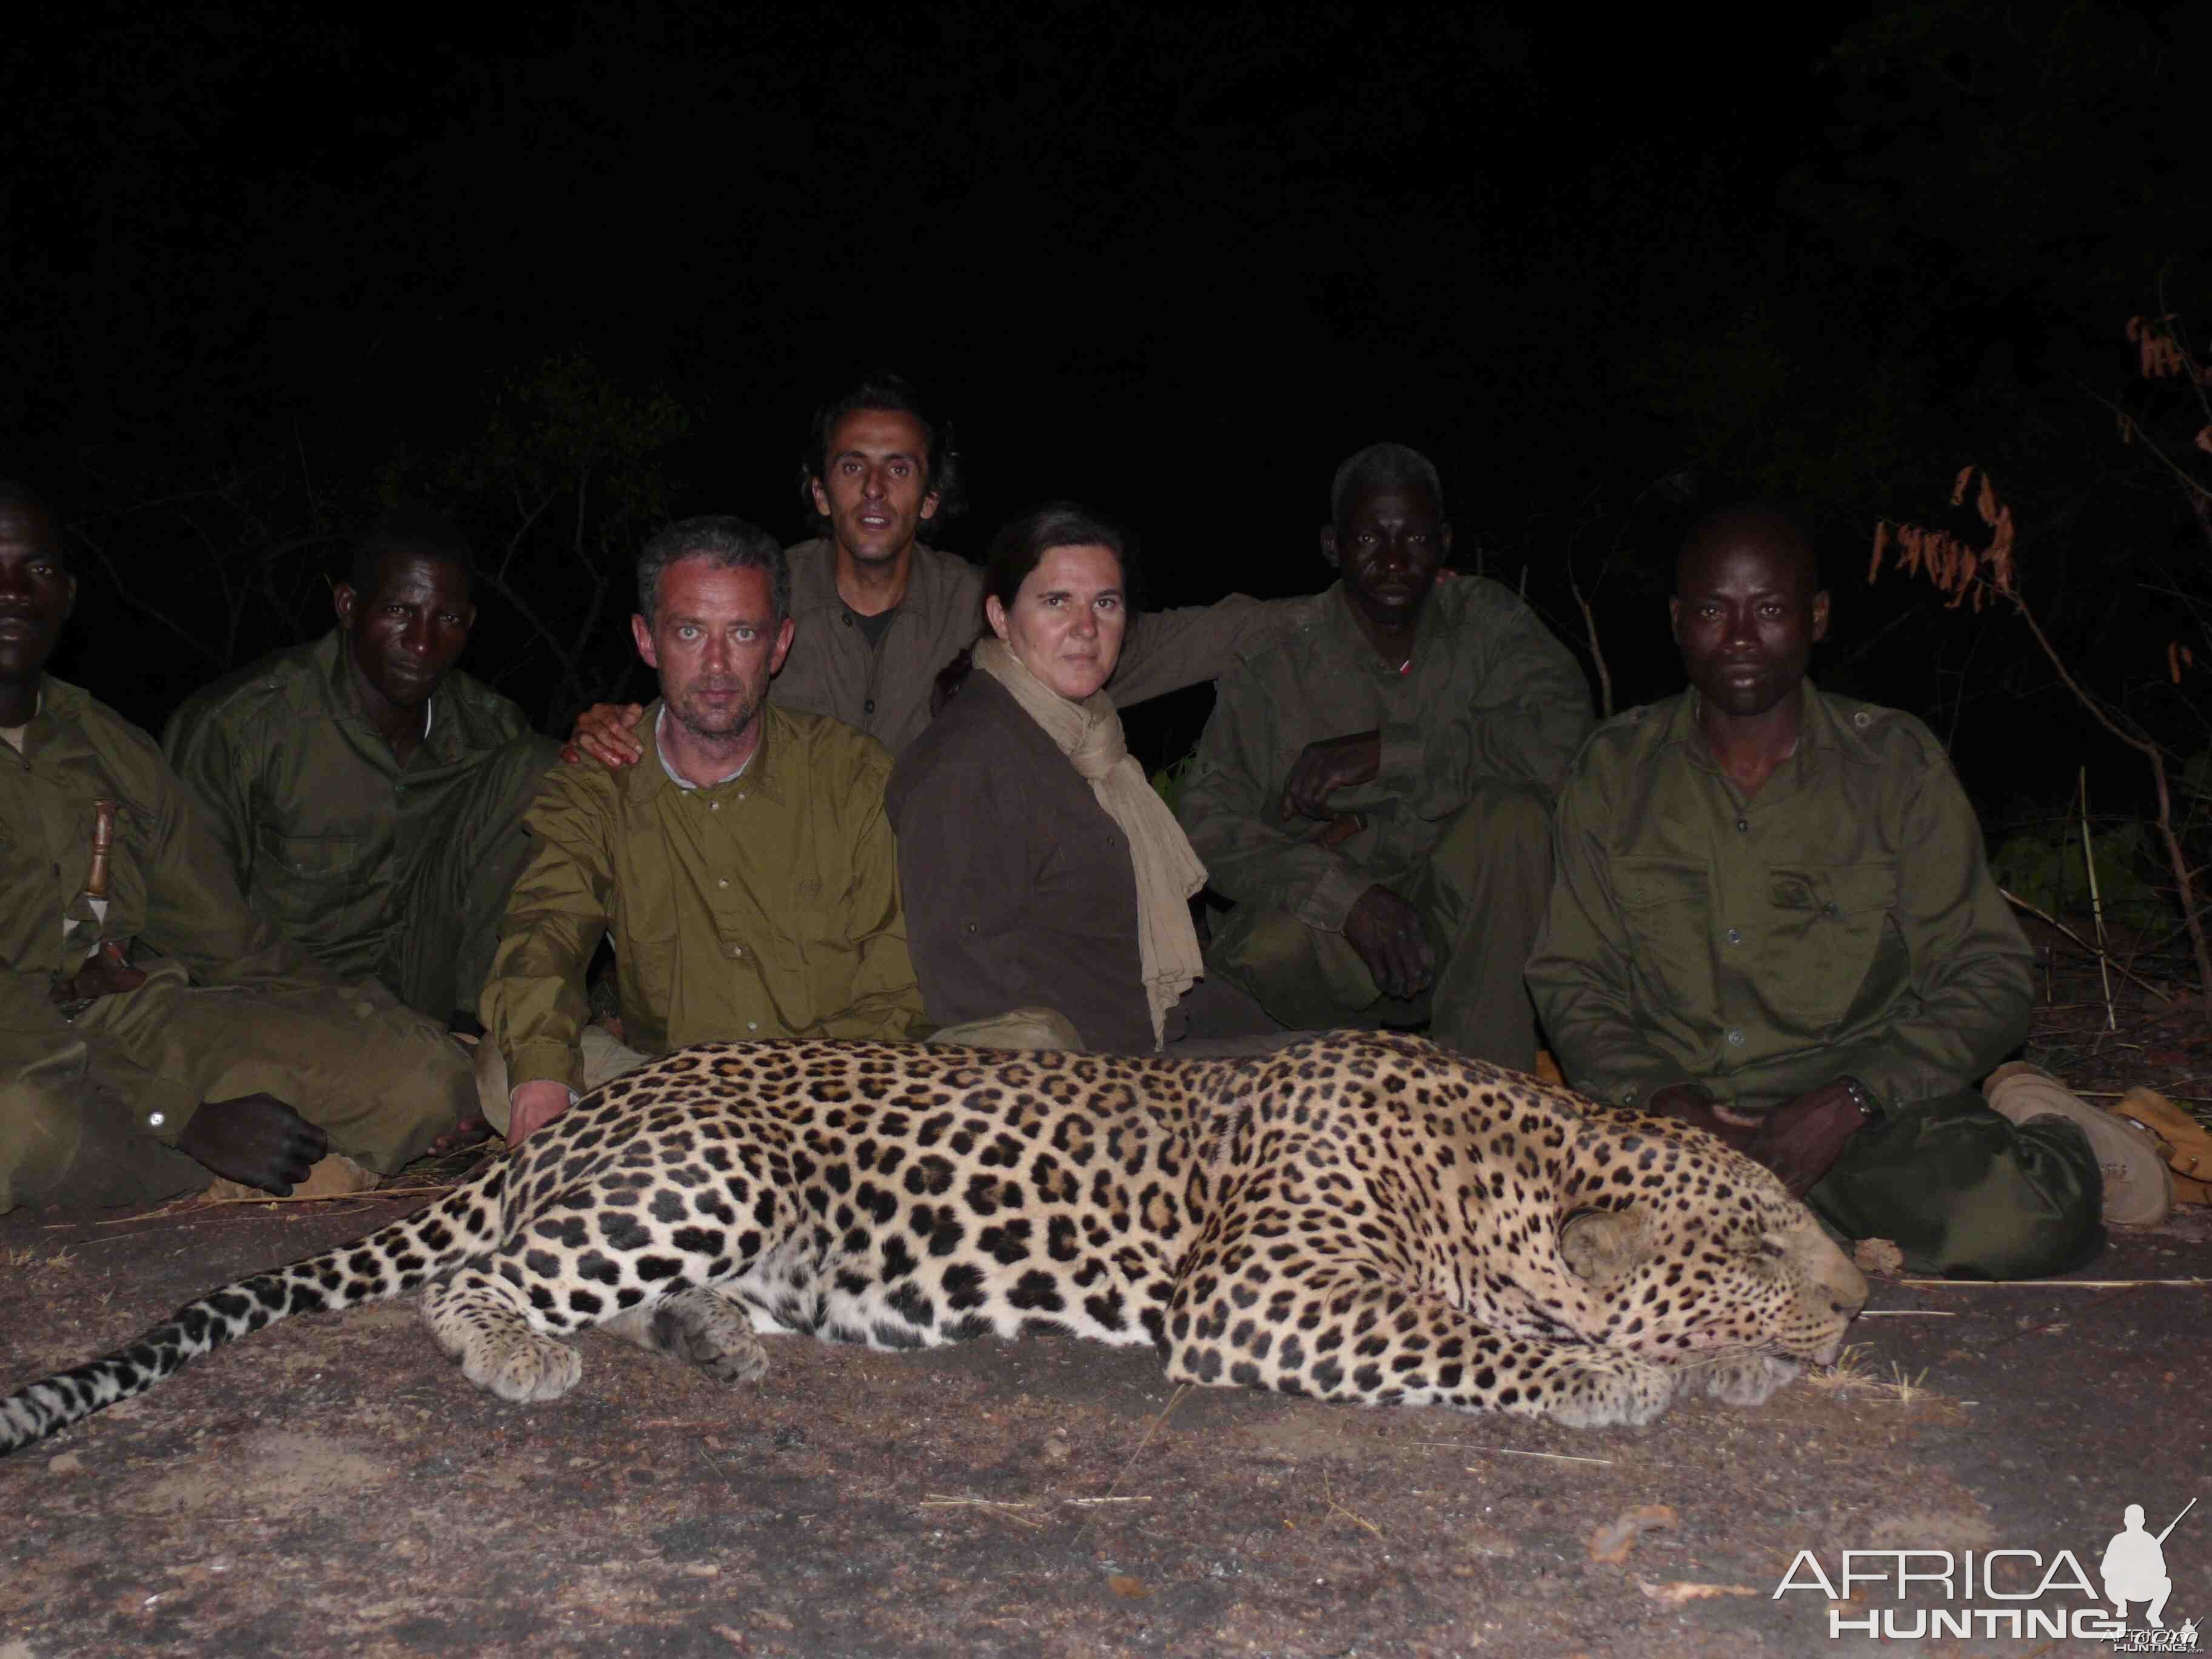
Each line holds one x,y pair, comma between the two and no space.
1863,1097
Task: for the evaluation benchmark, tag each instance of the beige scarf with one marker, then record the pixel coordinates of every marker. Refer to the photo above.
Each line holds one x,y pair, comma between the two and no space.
1168,872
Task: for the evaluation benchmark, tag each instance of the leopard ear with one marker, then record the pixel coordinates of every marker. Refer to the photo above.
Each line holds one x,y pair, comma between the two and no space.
1603,1246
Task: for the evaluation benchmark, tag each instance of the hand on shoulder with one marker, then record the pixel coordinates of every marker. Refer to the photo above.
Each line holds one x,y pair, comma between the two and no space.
604,733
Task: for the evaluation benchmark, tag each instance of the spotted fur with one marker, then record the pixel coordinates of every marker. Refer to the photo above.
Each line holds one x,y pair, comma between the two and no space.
1359,1216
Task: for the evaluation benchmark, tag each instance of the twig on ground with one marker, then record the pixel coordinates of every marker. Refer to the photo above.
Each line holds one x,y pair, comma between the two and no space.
942,1501
1508,1451
1905,1313
1174,1400
1329,1498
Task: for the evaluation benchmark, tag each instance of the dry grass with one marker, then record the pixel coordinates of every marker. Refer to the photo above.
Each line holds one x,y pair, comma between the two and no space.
1851,1375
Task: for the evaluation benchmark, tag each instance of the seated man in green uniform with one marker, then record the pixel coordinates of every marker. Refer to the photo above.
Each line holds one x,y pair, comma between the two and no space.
745,870
367,795
1771,919
880,611
155,1033
1374,790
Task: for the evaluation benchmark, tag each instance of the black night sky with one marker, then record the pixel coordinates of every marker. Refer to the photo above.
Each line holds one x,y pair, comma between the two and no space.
265,268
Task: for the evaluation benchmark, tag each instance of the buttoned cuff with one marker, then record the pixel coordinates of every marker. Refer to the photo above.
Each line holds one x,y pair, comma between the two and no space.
544,1060
1333,897
1404,754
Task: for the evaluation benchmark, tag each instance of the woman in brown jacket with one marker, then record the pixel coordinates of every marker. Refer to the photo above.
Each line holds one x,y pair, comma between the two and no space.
1039,868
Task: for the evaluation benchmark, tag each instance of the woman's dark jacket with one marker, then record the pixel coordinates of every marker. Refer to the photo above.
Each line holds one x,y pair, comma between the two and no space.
1018,885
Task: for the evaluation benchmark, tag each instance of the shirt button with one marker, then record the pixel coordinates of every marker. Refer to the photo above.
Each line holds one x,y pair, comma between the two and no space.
1735,936
1735,1038
869,707
155,1119
713,806
1743,825
752,1026
1830,909
723,881
737,950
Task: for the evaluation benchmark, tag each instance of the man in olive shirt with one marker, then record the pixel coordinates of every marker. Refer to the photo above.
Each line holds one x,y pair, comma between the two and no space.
879,612
159,1034
1374,789
745,870
369,795
1771,918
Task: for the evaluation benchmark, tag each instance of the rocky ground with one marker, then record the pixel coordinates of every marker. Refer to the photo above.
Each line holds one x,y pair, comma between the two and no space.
334,1487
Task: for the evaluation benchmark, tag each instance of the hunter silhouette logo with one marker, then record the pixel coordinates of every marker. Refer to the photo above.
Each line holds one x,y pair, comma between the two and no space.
2134,1568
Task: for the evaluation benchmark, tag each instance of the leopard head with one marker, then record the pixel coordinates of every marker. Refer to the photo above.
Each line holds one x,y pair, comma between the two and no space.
1688,1253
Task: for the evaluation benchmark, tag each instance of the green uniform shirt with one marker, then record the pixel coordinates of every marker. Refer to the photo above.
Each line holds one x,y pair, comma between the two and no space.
884,689
764,907
322,827
1842,923
1489,695
169,887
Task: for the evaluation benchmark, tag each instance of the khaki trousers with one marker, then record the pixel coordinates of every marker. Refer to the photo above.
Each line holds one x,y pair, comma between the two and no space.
1481,896
1965,1193
76,1099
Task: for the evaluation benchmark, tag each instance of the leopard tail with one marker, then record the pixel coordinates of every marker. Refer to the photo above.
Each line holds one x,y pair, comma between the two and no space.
388,1262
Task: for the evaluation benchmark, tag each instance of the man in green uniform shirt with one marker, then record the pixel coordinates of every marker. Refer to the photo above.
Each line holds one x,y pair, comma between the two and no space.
1771,918
160,1034
1374,789
369,795
880,611
745,870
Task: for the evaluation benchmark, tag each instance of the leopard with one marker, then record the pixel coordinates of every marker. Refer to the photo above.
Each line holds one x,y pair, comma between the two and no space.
1357,1216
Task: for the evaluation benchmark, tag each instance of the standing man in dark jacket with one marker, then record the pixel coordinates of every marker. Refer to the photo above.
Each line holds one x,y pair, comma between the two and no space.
368,794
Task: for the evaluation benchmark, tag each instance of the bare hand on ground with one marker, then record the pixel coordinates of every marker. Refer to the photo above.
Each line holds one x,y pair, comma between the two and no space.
256,1139
1387,933
532,1107
602,732
1328,766
1801,1141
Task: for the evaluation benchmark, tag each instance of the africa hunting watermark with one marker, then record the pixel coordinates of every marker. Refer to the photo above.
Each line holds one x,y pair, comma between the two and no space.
2005,1593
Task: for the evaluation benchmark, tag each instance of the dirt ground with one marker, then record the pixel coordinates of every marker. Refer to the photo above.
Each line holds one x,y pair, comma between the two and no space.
332,1487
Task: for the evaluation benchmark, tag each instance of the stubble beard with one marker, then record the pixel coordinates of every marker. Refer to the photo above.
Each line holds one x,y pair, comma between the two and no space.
714,728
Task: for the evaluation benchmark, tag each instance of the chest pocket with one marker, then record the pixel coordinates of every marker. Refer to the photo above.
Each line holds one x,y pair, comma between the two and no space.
1830,925
1665,909
300,878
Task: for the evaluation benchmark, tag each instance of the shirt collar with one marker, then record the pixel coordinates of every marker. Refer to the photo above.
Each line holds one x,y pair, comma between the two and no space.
659,721
763,774
1344,628
346,699
1825,727
933,582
